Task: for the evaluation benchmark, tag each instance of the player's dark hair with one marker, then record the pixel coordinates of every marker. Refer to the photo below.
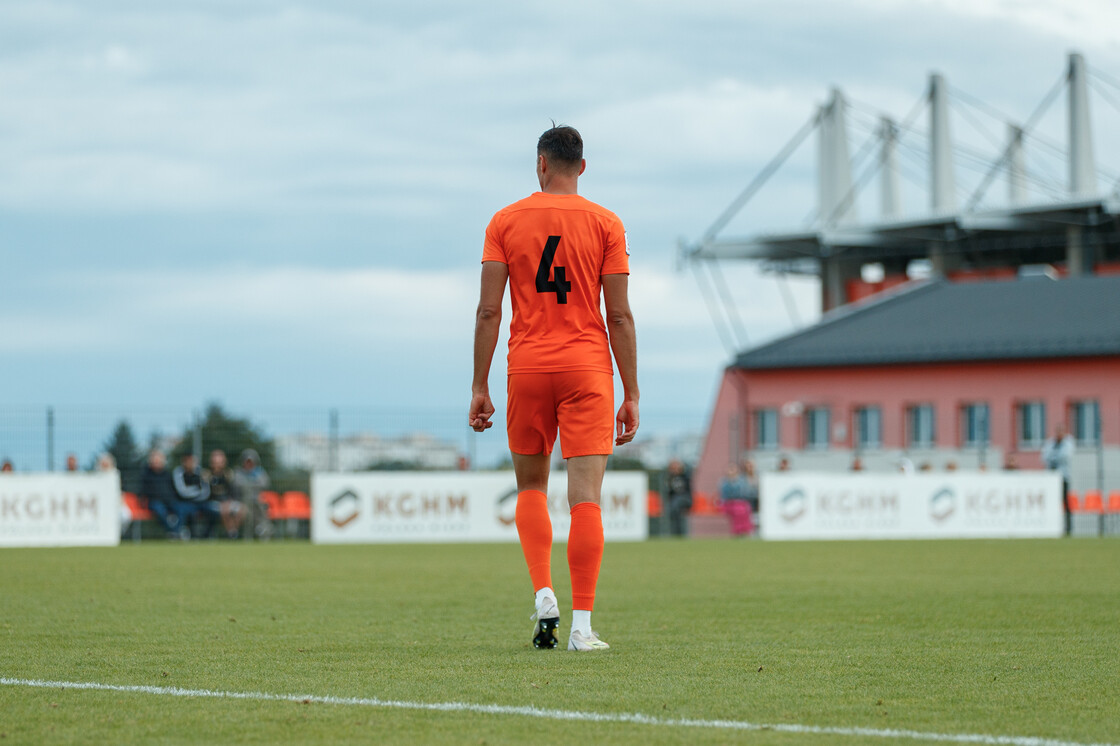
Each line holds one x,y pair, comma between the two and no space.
562,146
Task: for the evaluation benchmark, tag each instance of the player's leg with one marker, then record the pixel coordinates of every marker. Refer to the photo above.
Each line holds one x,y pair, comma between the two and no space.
531,429
534,526
585,545
586,417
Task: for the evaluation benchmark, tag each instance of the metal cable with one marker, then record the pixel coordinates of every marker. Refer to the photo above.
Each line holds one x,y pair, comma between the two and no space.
762,177
705,292
734,321
1030,123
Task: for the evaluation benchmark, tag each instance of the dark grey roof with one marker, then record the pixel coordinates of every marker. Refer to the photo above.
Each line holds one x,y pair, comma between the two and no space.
1026,318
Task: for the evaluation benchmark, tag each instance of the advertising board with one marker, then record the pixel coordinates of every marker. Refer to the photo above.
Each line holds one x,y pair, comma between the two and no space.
52,510
373,507
918,506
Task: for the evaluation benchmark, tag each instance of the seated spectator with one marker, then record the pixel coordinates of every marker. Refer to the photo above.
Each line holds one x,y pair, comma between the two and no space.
250,479
6,467
194,495
157,487
222,491
106,462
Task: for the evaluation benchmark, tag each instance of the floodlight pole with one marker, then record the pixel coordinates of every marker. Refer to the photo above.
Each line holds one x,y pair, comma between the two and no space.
834,187
332,442
1082,171
50,438
942,184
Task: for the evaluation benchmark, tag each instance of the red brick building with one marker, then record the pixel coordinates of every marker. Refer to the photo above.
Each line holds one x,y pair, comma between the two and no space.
945,374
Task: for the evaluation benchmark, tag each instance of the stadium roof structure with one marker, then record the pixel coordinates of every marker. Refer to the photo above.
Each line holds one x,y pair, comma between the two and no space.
1071,222
938,322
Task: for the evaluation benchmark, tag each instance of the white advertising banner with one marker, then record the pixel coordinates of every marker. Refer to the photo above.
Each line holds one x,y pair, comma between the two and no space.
55,510
375,507
917,506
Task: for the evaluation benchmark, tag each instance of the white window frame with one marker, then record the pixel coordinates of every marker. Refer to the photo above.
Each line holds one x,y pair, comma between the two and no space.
868,429
971,425
817,438
1030,424
1085,419
921,426
761,442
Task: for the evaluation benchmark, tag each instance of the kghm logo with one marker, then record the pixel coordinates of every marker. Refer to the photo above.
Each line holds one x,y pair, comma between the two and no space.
793,505
344,508
507,508
943,504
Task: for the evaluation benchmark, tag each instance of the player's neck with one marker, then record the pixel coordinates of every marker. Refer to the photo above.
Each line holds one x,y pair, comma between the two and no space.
560,185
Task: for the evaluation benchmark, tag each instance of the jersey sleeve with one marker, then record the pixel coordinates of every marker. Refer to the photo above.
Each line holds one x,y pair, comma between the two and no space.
616,259
492,248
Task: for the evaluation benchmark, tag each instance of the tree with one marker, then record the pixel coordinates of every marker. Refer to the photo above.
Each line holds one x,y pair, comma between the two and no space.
230,434
221,430
122,446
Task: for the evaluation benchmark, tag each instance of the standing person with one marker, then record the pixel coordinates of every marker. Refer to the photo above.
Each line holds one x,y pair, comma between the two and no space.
734,492
194,495
250,480
678,495
753,491
158,488
559,252
222,491
1057,455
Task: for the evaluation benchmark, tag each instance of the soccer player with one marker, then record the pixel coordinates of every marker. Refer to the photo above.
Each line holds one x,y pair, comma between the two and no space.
559,252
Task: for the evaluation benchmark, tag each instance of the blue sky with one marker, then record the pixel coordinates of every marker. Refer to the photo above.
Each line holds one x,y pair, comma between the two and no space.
276,204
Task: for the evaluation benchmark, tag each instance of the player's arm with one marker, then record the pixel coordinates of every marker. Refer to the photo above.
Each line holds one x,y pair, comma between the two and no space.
624,345
487,325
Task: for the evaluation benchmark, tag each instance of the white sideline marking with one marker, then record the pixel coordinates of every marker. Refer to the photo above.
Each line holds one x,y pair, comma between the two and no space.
537,712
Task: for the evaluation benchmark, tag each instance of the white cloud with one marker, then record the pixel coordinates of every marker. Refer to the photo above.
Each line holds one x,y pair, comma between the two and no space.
157,310
1081,22
415,123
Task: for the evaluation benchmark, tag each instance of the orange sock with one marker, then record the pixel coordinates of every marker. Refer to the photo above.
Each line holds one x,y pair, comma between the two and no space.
534,528
585,553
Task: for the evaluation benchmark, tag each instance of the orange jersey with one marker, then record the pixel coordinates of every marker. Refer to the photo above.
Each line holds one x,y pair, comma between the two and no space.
557,246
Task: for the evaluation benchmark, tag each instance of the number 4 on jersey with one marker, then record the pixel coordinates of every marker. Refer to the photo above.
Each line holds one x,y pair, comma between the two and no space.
559,285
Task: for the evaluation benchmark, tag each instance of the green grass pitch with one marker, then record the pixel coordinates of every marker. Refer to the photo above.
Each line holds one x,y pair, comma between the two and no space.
1001,638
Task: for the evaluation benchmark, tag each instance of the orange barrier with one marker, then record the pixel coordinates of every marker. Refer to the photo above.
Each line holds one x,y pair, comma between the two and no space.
704,505
653,504
1114,501
1093,503
295,506
272,500
137,507
1072,502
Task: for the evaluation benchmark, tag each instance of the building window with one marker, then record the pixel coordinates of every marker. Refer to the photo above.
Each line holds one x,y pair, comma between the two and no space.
921,426
1086,418
766,429
869,427
816,428
974,426
1031,424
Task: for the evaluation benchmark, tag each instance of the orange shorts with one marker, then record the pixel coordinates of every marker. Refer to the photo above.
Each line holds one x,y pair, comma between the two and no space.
580,403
